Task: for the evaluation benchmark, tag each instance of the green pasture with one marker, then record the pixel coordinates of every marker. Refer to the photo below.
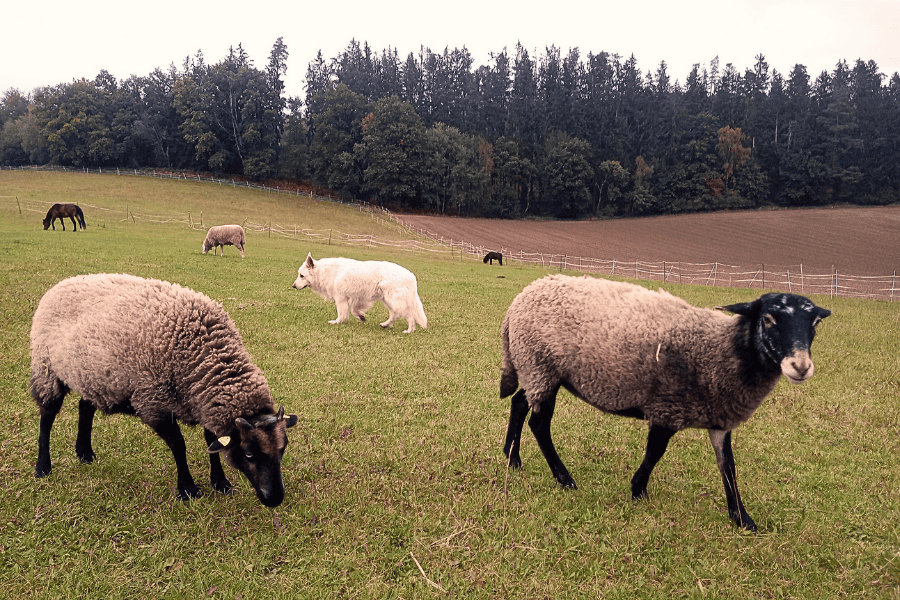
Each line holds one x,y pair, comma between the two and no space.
396,483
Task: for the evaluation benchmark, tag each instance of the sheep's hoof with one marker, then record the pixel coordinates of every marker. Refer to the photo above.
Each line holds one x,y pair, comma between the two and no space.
223,487
189,493
744,521
41,471
85,456
569,485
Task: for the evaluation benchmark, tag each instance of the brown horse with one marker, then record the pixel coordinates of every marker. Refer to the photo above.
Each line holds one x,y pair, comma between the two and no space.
62,211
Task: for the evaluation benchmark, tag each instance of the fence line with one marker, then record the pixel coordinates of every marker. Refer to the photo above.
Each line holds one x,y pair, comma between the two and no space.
788,278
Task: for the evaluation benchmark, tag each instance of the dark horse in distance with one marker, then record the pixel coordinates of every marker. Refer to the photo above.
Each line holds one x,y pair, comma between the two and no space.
490,256
63,211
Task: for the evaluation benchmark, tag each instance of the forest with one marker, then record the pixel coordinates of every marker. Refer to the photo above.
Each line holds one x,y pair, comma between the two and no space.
552,135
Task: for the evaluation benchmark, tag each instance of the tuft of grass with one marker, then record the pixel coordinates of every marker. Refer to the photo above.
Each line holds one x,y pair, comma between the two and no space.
397,486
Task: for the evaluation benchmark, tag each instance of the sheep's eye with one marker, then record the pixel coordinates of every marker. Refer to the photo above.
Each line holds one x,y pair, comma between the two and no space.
816,322
768,321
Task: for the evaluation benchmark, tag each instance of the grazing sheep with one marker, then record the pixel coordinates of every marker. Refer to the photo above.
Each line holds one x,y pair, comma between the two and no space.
224,235
492,256
633,352
164,353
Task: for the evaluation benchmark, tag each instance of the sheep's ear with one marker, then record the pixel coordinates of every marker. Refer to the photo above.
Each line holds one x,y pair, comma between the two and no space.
291,419
243,424
745,309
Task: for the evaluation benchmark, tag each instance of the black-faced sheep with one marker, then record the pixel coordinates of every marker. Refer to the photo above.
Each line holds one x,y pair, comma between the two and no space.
492,256
164,353
632,352
224,235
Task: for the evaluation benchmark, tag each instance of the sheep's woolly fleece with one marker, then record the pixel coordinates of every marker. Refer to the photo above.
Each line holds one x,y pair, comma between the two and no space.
223,235
621,346
118,337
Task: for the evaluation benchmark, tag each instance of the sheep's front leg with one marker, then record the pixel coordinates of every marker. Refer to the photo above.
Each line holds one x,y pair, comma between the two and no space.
170,432
217,477
540,427
721,443
517,413
83,448
657,441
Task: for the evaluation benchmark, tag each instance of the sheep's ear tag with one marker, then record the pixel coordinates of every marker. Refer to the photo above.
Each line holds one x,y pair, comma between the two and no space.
219,445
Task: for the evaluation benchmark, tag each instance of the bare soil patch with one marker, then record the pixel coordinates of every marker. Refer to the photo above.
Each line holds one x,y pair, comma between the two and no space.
852,240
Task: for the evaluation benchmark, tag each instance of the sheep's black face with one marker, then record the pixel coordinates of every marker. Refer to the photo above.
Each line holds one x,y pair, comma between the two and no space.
256,450
783,327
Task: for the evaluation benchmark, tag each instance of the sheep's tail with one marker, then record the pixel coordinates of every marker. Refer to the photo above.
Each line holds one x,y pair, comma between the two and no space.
509,379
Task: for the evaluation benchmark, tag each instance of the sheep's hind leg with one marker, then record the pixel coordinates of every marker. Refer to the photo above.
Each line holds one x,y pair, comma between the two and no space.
540,427
83,448
49,410
657,441
721,443
170,432
517,413
217,476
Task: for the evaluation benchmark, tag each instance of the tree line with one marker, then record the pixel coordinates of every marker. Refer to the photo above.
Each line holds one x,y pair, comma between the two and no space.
553,135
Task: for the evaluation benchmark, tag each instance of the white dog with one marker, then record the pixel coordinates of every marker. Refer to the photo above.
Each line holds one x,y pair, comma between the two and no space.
355,285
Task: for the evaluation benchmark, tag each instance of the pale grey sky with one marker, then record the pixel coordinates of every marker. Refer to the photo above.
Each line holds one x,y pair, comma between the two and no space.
55,42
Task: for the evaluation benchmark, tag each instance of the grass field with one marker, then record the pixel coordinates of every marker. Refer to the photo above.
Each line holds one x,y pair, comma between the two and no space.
396,484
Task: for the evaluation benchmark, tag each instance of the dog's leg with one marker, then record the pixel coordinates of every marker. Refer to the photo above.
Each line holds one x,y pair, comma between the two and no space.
392,315
360,306
343,309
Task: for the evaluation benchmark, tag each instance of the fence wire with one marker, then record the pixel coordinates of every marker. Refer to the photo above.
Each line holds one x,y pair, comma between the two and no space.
793,279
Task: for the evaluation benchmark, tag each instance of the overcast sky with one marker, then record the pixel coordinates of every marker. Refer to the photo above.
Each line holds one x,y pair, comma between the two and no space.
54,42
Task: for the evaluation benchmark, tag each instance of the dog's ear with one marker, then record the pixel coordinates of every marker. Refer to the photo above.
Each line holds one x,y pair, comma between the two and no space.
309,261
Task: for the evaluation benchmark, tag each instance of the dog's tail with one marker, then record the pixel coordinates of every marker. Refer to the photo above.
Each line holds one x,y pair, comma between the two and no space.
420,317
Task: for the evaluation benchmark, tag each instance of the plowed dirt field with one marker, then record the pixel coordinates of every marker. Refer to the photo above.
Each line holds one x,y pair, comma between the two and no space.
859,241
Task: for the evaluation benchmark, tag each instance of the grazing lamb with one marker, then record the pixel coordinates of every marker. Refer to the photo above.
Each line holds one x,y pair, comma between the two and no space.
355,285
224,235
164,353
636,353
492,256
